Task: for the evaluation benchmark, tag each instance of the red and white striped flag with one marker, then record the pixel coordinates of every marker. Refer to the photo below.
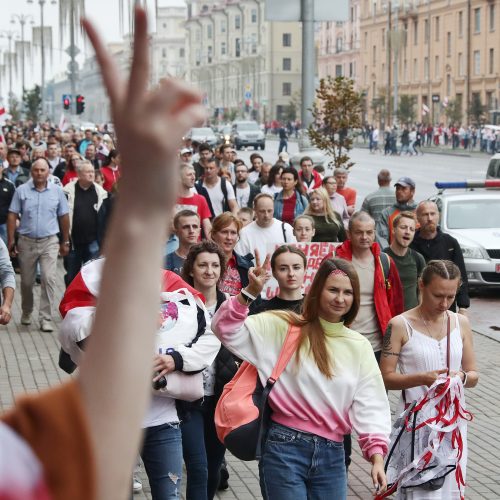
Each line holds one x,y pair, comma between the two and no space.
425,108
63,123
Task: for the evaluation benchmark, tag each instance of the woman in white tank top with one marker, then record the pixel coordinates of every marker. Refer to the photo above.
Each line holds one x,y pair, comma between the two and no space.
416,343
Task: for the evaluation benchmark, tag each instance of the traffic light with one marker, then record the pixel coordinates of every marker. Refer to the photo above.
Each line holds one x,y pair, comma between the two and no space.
80,104
66,101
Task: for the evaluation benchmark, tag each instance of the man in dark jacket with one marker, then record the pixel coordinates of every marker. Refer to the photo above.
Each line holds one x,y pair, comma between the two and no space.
432,243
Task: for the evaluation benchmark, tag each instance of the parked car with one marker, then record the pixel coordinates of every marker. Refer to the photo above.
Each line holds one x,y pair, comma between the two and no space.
472,217
247,133
203,134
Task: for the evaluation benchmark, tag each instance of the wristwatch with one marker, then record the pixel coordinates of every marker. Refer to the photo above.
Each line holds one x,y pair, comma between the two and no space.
248,297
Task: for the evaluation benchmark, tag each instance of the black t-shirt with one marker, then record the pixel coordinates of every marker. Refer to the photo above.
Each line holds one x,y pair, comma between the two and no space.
84,228
7,190
279,304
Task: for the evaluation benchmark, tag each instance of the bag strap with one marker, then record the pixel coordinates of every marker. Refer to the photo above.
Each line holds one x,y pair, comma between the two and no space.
286,353
448,328
283,230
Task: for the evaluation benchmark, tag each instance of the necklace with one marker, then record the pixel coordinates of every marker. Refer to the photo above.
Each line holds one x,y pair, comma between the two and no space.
427,325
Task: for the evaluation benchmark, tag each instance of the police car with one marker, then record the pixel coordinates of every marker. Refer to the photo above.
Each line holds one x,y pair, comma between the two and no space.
470,212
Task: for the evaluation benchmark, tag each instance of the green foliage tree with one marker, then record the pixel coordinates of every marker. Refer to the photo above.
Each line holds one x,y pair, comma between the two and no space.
336,111
477,110
33,103
293,108
232,114
14,110
454,112
406,109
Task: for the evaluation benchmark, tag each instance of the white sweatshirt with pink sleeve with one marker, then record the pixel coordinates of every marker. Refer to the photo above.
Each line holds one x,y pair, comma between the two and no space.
303,398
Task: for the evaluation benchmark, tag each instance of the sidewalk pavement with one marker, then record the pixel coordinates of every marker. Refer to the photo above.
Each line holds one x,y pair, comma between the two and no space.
28,362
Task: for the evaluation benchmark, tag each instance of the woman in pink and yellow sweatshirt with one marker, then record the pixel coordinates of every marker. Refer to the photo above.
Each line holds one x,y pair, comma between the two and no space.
331,386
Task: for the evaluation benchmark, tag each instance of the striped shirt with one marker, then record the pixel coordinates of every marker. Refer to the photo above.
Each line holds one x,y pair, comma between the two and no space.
376,202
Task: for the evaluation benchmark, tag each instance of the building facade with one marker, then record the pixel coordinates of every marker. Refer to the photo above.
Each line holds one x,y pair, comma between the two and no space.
447,53
338,43
244,65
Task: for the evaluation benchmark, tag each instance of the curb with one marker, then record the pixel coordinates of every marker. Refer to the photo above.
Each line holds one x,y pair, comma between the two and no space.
485,333
441,152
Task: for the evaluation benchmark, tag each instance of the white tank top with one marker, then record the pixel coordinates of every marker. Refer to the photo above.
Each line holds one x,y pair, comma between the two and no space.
423,354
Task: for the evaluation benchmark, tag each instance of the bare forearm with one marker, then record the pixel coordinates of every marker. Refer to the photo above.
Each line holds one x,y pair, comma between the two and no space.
395,381
8,296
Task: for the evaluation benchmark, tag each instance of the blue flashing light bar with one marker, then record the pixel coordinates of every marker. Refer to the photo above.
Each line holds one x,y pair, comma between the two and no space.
468,184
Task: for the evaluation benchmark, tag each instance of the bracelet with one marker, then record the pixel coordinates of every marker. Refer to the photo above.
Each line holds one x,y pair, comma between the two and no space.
249,298
465,377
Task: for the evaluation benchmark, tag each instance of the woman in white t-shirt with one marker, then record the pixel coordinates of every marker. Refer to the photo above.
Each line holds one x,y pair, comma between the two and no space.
203,452
273,185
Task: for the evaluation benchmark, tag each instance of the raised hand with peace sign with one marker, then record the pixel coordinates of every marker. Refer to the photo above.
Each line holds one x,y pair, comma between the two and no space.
257,278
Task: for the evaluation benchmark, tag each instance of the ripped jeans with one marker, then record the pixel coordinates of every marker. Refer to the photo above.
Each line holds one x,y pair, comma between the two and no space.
162,457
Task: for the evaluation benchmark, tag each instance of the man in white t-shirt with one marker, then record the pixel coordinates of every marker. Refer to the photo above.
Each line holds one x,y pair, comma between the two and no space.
219,190
266,232
243,190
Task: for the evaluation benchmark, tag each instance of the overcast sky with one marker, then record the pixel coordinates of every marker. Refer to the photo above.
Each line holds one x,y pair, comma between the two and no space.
105,14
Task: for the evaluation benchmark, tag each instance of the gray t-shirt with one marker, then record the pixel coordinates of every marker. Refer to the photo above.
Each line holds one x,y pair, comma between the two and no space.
174,263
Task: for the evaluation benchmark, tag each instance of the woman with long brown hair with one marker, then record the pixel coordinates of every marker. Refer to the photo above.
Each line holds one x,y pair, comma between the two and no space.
331,386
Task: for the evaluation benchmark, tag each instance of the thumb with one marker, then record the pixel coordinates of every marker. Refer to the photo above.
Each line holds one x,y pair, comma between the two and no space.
443,370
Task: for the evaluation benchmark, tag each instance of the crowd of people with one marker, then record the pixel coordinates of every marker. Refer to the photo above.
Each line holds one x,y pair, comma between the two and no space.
409,140
379,303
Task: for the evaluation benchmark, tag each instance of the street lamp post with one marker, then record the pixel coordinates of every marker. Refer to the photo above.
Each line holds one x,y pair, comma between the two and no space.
42,43
22,19
9,34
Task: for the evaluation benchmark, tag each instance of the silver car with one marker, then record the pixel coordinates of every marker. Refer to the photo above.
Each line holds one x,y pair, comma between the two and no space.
473,218
203,134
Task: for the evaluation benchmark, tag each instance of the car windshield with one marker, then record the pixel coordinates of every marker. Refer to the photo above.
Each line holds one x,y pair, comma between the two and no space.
474,214
494,169
203,131
247,126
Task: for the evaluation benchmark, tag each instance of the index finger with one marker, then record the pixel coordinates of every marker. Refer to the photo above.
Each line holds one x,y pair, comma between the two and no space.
266,262
109,70
257,257
139,72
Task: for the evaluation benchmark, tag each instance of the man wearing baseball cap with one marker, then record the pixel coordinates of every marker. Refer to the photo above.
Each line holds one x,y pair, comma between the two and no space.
186,155
405,191
15,173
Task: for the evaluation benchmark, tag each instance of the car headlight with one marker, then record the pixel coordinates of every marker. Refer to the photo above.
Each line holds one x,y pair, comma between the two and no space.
227,137
472,252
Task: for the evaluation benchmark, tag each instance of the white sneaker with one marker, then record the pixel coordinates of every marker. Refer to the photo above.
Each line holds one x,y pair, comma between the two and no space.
136,484
46,326
26,319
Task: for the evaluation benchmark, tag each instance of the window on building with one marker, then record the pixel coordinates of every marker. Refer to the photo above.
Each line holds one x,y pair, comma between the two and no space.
351,70
383,38
182,52
164,53
415,32
448,85
223,26
461,24
405,70
287,64
164,25
490,100
253,16
492,17
437,28
477,20
237,22
460,64
209,31
436,67
477,62
491,61
338,70
209,54
448,43
287,88
197,36
223,49
365,77
253,43
237,47
339,44
426,31
198,57
426,68
366,39
374,55
287,39
415,69
459,99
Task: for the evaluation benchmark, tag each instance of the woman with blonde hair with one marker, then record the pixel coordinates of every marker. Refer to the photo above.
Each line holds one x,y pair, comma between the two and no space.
327,222
331,385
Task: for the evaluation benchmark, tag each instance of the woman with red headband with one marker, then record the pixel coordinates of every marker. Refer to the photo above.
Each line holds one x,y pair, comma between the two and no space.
331,386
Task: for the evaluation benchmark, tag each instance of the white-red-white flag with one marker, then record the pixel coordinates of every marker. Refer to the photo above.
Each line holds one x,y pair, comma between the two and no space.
63,123
445,102
425,108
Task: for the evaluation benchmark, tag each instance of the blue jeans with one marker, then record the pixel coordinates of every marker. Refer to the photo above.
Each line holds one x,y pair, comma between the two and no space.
203,452
162,457
301,466
283,145
3,232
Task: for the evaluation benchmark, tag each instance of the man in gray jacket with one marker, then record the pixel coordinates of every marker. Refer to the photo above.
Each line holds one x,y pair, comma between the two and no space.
8,283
